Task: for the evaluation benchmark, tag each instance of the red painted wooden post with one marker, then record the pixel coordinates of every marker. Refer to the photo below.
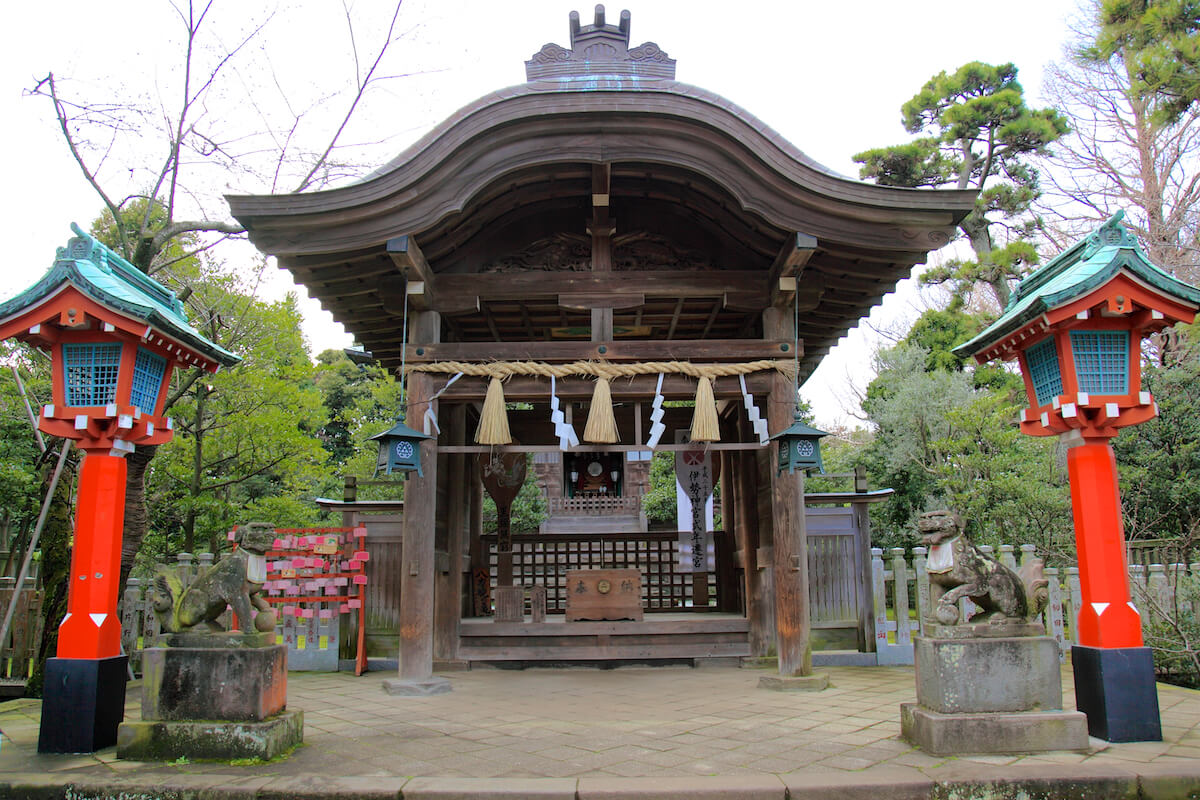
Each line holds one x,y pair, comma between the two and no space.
92,627
1107,618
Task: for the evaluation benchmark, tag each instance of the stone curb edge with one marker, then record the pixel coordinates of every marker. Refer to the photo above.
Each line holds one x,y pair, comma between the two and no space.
1172,780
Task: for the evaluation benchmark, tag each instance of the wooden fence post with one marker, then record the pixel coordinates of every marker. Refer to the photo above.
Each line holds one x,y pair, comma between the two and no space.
900,592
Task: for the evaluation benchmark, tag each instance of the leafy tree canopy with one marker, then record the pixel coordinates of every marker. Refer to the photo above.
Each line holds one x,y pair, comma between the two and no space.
978,134
1160,42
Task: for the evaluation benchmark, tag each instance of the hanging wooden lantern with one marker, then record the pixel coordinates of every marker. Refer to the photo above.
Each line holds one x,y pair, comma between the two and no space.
399,449
800,447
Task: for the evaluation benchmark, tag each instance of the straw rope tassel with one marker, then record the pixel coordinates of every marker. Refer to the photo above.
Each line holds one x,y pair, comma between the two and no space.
493,420
601,425
705,427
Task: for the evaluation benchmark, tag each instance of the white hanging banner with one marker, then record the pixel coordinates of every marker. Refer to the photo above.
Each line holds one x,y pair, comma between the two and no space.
757,421
430,418
657,428
562,429
694,474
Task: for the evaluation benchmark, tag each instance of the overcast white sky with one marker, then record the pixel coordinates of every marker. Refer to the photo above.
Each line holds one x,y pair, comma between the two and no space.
830,77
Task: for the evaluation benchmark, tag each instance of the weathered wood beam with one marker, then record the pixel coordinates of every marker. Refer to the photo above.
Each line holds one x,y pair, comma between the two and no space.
712,317
491,323
411,262
675,318
587,302
530,285
792,257
527,322
700,351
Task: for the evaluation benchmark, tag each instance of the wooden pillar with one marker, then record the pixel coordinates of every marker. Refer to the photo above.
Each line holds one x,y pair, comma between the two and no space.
479,557
790,546
601,230
448,581
726,593
420,507
758,608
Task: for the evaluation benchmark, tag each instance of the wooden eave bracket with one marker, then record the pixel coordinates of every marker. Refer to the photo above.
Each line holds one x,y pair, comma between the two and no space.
418,275
784,277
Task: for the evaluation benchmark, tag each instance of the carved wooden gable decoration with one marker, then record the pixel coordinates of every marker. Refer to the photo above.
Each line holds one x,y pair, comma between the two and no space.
599,49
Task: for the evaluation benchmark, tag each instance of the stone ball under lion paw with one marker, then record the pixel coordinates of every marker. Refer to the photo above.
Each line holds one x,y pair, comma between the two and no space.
264,621
947,614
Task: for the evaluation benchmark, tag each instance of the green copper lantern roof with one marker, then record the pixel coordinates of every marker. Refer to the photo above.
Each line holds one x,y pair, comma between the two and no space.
1081,268
400,430
101,274
798,428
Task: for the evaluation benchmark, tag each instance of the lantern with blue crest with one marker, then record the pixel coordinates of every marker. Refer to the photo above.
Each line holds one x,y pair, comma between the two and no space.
399,449
400,445
800,447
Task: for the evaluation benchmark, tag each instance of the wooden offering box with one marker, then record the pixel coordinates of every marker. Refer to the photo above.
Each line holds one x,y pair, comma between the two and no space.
600,594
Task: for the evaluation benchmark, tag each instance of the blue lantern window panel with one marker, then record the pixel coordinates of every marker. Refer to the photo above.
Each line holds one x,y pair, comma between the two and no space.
1101,361
148,372
1044,371
91,373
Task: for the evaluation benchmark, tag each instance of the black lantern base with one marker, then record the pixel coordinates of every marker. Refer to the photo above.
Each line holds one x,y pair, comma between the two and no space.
1115,687
83,702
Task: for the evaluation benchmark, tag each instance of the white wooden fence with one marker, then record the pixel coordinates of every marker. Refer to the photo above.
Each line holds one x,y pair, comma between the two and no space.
900,593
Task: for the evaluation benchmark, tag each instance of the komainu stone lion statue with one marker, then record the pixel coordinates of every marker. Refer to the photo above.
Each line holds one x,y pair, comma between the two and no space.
236,581
957,569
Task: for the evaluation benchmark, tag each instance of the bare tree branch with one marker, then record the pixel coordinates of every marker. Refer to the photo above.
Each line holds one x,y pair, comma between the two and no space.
363,84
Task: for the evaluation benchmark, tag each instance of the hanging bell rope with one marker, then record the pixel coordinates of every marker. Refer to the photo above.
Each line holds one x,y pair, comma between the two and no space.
493,420
601,425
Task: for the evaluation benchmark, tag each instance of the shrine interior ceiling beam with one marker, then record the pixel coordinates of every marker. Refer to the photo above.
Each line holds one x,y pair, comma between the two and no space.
699,351
744,289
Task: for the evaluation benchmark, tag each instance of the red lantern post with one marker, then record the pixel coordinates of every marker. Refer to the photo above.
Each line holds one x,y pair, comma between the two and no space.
114,338
1076,328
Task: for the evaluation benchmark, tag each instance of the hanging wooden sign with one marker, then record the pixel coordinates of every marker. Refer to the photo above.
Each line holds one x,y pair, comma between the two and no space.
695,472
503,475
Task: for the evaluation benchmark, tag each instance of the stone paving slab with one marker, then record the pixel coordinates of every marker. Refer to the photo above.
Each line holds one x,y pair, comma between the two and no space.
646,733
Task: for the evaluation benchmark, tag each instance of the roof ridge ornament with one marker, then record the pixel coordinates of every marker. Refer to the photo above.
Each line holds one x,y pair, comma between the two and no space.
600,49
85,247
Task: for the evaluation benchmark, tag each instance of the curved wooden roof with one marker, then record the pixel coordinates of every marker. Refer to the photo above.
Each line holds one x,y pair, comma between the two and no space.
695,186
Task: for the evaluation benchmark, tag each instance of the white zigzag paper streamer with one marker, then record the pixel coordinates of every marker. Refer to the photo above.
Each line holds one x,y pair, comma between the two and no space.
753,414
562,429
657,429
430,418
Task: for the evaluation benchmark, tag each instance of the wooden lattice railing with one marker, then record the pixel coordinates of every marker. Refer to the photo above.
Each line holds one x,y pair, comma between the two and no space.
594,506
543,559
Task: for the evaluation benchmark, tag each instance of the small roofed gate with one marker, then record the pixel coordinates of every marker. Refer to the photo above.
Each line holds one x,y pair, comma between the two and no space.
839,565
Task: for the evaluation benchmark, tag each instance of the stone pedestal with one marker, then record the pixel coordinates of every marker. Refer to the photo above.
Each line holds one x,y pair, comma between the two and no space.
82,705
213,696
990,695
1115,688
816,682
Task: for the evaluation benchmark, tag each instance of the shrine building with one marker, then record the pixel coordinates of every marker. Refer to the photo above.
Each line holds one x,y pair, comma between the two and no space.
594,243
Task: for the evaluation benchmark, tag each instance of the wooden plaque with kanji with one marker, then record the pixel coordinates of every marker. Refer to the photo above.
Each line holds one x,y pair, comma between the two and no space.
604,594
